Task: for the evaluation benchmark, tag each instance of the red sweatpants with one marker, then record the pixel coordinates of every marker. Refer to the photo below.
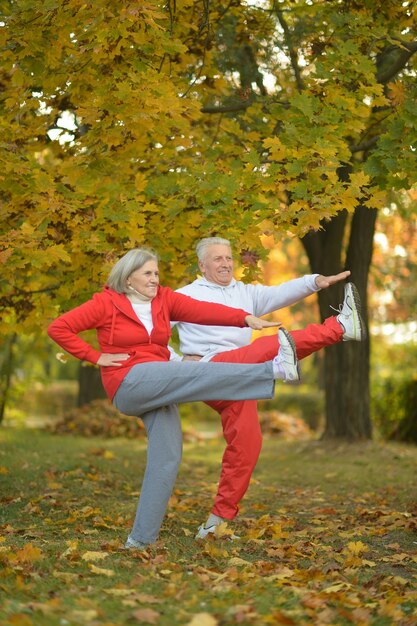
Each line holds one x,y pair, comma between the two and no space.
240,420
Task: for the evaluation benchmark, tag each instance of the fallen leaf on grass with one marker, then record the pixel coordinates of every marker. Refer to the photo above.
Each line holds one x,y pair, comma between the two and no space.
281,618
101,571
238,562
83,617
134,596
120,592
361,615
281,574
312,601
72,548
211,549
357,547
337,587
223,531
94,556
67,577
147,616
28,554
203,619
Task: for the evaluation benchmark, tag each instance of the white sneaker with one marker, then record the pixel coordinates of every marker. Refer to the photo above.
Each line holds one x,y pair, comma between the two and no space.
131,544
350,315
286,363
203,532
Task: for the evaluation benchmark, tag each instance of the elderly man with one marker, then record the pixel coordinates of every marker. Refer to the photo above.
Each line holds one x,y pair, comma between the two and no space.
240,418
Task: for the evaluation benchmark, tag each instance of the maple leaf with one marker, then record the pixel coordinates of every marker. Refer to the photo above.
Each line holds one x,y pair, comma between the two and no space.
27,555
357,547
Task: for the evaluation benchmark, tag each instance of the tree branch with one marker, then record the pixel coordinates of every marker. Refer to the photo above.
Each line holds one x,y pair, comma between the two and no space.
365,145
292,52
228,108
403,55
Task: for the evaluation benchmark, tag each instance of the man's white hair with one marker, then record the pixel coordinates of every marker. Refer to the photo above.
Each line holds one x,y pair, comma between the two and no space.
204,244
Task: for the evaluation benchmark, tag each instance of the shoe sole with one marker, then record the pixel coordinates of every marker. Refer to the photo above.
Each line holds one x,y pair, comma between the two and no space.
358,305
291,341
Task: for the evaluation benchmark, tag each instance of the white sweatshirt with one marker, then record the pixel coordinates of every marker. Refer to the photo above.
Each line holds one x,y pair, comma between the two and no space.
256,299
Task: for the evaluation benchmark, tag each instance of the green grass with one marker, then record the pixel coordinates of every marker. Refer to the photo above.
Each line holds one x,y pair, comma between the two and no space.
328,536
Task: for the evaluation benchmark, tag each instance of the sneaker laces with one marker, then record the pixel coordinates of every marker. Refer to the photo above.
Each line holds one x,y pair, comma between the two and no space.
338,309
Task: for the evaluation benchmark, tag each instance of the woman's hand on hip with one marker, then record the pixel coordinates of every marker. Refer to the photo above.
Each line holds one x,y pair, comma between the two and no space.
112,360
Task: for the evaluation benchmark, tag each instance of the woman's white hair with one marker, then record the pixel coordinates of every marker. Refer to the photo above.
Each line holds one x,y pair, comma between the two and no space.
131,261
203,244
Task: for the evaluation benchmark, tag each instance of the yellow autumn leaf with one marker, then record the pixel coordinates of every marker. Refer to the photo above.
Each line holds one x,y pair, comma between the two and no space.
94,556
72,547
337,587
377,199
203,619
120,593
359,180
222,530
28,554
277,150
282,573
397,92
140,182
83,617
100,571
357,547
67,577
54,485
238,562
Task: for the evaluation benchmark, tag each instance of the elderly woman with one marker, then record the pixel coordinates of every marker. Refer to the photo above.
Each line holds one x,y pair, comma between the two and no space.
132,318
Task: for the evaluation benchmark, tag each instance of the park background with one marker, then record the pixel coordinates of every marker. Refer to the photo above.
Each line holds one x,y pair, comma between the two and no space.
289,127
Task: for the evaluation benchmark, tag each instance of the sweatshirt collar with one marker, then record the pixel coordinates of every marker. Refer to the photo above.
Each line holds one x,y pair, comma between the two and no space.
203,282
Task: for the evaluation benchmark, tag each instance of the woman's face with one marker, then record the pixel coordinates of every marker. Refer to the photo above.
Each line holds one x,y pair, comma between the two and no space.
145,280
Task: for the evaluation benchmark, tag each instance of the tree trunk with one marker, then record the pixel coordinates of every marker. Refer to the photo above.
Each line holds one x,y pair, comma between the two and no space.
346,373
6,373
90,386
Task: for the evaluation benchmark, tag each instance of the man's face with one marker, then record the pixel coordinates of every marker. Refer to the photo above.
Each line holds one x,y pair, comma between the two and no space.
217,266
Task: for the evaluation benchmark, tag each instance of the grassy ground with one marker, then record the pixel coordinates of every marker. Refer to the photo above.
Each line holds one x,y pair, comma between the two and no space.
328,536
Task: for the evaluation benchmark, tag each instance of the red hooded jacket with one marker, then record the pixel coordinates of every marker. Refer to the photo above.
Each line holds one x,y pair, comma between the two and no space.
120,330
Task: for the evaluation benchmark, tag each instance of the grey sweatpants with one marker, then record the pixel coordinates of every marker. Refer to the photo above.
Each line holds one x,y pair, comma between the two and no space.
151,391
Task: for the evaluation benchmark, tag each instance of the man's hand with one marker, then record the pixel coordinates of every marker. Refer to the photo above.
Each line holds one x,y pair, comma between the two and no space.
326,281
257,324
112,360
